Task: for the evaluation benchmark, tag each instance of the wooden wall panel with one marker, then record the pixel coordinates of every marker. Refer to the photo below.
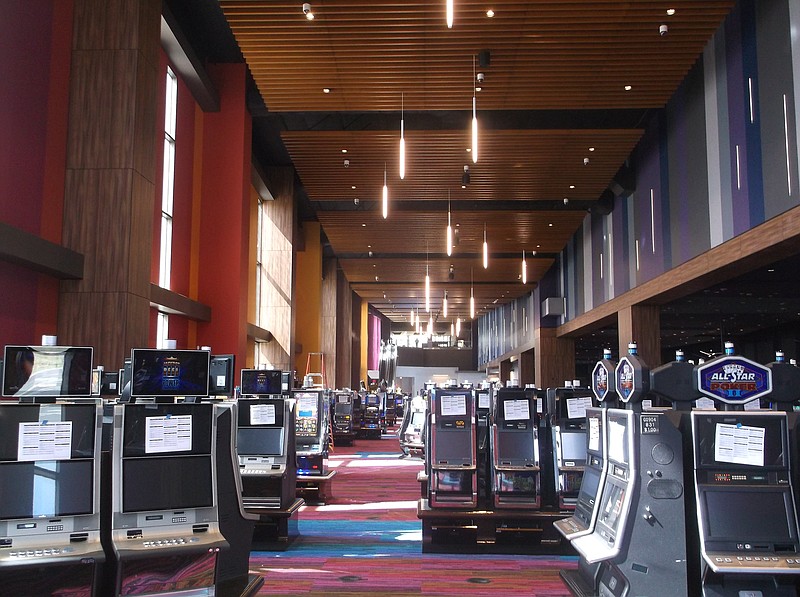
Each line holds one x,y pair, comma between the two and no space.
109,190
554,357
344,327
328,317
641,324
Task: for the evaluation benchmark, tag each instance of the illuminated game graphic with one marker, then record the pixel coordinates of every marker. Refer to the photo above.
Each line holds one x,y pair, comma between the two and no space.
262,382
47,371
170,372
734,380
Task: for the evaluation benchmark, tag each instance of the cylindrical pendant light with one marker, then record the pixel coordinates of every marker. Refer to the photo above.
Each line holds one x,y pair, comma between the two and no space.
458,326
450,13
385,195
444,305
485,249
402,140
449,228
471,296
524,269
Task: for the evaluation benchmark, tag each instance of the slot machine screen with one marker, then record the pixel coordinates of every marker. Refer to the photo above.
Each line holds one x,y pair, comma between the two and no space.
767,437
47,460
725,515
61,371
166,483
169,373
259,441
257,382
573,447
307,413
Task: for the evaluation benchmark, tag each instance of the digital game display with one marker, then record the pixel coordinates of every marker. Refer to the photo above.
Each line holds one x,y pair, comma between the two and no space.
453,482
171,482
261,381
169,372
46,489
517,482
47,371
573,446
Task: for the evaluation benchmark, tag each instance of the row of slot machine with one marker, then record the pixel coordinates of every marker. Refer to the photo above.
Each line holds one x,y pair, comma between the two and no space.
363,414
696,496
507,448
156,492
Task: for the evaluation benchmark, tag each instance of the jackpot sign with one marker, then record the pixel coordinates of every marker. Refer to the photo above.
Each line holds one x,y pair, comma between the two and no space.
734,380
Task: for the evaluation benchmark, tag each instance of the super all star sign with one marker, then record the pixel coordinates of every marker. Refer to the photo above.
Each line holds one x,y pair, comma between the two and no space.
733,379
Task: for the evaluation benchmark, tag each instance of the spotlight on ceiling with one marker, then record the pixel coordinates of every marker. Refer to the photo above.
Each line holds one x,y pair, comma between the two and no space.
307,11
465,177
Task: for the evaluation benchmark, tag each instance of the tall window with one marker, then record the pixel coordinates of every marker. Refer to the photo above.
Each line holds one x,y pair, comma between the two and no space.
167,198
261,277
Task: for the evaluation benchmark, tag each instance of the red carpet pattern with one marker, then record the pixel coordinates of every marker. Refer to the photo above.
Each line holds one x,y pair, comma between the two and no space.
367,541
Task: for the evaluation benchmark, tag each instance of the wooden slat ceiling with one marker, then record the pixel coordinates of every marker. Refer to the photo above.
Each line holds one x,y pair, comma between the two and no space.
554,88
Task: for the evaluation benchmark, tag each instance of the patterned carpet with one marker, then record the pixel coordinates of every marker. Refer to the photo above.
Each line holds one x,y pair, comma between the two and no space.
367,540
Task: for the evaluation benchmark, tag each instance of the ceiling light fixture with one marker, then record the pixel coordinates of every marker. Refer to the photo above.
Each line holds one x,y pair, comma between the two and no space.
449,228
402,139
444,305
427,285
490,13
474,117
430,326
326,90
485,249
307,11
458,327
450,13
385,194
411,317
524,269
471,296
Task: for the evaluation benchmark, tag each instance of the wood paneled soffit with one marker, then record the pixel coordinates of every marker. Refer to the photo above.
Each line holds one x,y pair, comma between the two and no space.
186,63
29,251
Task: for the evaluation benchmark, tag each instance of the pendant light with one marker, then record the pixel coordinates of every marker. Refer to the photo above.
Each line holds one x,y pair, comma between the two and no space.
474,118
458,327
449,228
385,194
444,305
402,139
485,249
430,326
471,296
427,286
449,10
524,269
411,317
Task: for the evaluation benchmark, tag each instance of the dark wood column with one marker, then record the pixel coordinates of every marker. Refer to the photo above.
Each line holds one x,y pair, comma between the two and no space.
527,368
110,179
641,324
554,358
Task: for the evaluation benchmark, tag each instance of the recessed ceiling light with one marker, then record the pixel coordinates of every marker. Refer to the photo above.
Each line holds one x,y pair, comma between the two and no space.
369,246
591,149
771,270
353,187
326,90
469,149
628,87
344,151
572,186
538,246
363,225
670,11
479,89
490,13
550,225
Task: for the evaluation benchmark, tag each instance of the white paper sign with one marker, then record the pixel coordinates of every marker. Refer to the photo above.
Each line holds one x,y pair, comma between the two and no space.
45,441
594,434
262,414
168,434
616,441
454,405
516,410
576,407
220,381
483,400
647,404
539,405
753,405
739,444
